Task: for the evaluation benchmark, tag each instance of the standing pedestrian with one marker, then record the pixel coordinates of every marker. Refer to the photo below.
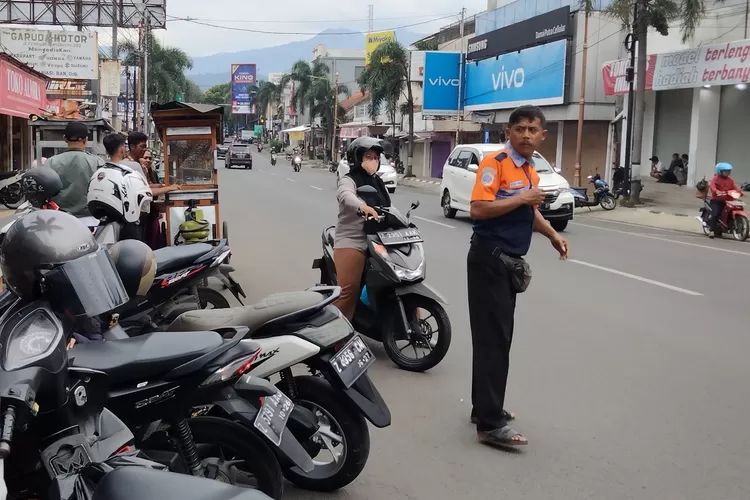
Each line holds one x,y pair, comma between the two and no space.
504,206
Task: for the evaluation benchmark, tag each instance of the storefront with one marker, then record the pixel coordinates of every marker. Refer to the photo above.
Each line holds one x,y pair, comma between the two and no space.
697,103
22,93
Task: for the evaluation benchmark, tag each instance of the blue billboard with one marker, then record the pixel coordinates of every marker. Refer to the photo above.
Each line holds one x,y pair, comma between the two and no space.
532,76
442,71
243,86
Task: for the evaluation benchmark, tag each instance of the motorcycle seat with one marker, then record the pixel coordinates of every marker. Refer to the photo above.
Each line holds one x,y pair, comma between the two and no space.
179,256
139,358
6,175
252,316
330,235
127,483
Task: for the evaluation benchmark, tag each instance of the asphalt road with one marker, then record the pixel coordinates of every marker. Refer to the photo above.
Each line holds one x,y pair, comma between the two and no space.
629,371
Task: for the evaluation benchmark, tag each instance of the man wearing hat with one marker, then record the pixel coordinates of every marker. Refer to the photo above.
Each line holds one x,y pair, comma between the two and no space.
75,168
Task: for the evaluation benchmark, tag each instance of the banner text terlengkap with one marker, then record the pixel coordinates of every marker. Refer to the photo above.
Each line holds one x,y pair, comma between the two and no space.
718,64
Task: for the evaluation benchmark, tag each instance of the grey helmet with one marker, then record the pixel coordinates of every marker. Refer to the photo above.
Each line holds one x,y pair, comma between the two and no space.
357,148
52,255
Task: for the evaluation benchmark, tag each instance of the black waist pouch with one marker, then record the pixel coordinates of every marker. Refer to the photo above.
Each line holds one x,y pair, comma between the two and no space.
519,272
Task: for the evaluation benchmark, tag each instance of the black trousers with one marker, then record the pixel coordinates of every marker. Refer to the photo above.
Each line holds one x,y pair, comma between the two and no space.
492,305
716,207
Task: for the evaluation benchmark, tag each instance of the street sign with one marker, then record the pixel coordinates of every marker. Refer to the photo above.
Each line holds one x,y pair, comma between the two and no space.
179,97
258,130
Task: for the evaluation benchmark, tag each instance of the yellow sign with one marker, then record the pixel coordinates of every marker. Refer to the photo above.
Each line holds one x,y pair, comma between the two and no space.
374,40
296,136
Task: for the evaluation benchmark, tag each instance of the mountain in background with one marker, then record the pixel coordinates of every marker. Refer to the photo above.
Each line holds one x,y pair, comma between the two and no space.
214,69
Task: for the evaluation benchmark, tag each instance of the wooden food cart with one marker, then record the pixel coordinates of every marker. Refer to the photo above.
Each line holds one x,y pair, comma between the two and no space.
189,134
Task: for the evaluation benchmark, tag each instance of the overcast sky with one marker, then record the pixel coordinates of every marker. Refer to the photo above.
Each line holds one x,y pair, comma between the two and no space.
296,16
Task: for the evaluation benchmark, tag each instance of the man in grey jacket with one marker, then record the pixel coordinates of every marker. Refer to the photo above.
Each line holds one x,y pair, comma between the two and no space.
75,168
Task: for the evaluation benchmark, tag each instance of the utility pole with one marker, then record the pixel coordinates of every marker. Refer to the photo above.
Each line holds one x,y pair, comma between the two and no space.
370,18
460,76
116,57
139,72
127,96
335,116
630,40
147,46
582,100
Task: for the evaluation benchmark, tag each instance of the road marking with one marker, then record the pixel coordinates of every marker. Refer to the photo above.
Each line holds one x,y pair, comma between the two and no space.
434,222
664,239
640,226
273,173
637,278
290,180
316,187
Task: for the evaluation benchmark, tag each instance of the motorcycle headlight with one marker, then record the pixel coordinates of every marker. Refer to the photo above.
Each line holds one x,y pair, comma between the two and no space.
403,273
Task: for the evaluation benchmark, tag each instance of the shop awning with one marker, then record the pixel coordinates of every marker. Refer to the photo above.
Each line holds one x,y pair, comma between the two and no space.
301,128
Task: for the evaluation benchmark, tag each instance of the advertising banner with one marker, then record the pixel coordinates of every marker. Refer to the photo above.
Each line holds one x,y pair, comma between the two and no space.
21,93
69,88
613,76
109,80
243,86
416,66
546,28
532,76
717,64
55,53
374,40
442,71
275,78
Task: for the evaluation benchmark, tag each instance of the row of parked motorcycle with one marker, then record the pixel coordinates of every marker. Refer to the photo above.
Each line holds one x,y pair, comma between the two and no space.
161,383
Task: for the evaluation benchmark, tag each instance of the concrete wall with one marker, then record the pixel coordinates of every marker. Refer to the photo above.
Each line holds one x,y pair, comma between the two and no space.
347,69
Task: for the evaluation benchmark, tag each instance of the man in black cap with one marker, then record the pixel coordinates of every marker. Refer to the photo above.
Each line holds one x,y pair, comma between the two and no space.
75,168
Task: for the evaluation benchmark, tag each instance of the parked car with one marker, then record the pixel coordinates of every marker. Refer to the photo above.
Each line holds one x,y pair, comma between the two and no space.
239,154
460,172
386,171
221,149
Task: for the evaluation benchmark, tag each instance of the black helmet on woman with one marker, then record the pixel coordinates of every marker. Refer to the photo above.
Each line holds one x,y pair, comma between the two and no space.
357,149
52,255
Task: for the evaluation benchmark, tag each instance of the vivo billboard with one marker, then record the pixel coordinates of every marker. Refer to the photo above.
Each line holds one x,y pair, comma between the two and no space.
442,73
243,88
532,76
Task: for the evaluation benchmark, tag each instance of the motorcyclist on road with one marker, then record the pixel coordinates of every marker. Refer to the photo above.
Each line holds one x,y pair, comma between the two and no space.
350,245
720,186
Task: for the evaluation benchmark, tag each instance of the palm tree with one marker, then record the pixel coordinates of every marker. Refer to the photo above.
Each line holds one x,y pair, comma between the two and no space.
166,68
657,14
387,79
324,94
268,94
304,77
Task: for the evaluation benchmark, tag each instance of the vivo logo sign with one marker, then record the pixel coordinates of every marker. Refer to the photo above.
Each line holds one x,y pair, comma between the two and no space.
443,82
506,80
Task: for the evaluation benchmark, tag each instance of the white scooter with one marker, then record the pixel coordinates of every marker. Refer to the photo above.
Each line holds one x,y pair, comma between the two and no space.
297,163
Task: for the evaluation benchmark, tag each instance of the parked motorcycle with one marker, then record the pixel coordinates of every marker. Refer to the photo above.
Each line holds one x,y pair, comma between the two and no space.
273,159
394,291
11,194
602,195
733,218
305,327
297,163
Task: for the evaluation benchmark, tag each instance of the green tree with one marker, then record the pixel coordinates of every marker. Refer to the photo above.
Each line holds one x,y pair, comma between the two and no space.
304,75
268,94
166,68
657,14
221,95
325,98
193,92
428,44
387,79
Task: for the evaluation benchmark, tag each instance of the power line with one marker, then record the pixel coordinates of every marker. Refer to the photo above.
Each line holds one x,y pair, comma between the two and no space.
310,33
305,21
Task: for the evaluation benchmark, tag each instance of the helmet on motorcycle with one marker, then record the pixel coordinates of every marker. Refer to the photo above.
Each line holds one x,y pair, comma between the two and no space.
119,193
357,148
723,167
40,185
52,255
136,264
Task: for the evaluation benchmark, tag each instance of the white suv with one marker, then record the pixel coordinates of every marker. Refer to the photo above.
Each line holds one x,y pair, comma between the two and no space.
460,172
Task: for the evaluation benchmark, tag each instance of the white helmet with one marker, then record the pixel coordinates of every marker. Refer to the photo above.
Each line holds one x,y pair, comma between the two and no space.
118,192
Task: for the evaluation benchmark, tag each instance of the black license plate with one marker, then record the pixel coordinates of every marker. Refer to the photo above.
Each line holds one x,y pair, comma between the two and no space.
273,415
400,236
352,361
544,206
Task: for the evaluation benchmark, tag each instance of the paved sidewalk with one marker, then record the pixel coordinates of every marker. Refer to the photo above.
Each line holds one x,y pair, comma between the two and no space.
428,183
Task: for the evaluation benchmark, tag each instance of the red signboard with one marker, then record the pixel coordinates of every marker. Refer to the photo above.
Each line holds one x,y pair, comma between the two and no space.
613,75
21,93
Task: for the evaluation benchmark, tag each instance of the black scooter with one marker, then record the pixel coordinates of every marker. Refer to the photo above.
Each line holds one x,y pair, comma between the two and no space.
602,195
395,307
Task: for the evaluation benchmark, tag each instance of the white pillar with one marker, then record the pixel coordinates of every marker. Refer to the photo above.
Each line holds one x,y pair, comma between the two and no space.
647,142
704,134
559,150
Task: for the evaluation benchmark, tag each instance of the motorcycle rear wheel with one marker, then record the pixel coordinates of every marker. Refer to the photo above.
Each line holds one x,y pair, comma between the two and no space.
12,196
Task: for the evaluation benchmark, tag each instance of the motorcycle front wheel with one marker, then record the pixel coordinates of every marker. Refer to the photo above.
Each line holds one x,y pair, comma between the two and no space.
427,320
740,228
343,437
608,202
12,196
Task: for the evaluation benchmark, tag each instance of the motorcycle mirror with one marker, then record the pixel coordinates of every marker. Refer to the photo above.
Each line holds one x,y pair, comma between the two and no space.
415,205
590,177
